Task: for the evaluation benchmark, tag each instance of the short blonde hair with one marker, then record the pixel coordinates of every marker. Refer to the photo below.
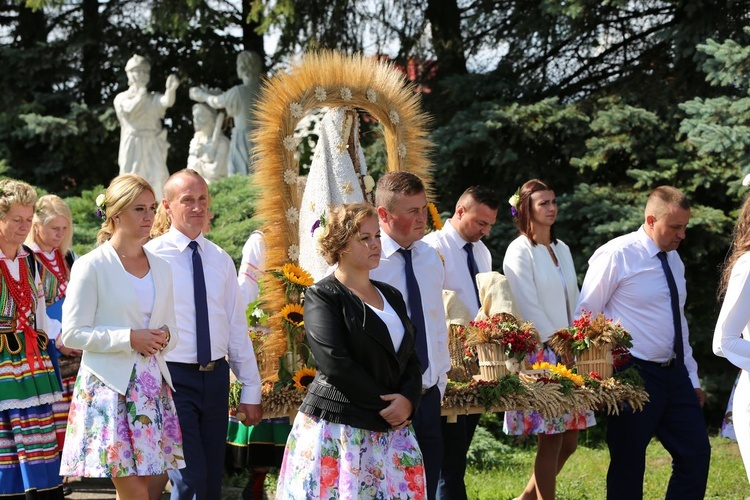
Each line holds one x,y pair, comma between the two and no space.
121,193
344,223
15,192
47,208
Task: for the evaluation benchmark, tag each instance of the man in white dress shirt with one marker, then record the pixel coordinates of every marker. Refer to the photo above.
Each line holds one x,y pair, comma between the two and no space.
464,254
639,279
402,210
202,389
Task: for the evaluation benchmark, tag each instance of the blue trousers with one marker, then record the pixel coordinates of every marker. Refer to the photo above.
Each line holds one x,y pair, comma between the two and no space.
456,441
674,415
426,425
202,403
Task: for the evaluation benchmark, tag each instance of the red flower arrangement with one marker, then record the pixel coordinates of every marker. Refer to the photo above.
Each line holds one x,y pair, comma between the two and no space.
517,339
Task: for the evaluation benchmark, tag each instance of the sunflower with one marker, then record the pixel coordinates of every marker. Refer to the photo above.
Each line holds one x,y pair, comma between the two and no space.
563,371
293,313
437,223
304,377
296,275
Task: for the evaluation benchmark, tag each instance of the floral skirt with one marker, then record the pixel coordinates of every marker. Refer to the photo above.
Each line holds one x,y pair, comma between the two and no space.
110,435
531,422
325,460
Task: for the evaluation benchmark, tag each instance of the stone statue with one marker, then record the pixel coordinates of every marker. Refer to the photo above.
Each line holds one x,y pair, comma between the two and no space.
143,140
238,102
209,147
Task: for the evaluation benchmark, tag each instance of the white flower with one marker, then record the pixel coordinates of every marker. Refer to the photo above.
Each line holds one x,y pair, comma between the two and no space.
745,181
369,183
258,312
292,215
513,201
296,109
346,93
372,96
100,200
320,93
318,233
293,251
393,115
290,143
290,176
401,151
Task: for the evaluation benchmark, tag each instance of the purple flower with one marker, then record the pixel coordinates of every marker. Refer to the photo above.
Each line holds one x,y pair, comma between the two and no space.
171,428
399,442
315,226
100,213
149,385
513,211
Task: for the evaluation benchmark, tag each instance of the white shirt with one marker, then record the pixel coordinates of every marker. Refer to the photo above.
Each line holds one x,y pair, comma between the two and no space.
626,282
251,267
536,284
450,245
732,334
226,316
430,274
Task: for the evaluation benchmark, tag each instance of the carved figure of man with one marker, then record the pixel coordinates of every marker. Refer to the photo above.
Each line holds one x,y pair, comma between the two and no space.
143,140
238,103
209,147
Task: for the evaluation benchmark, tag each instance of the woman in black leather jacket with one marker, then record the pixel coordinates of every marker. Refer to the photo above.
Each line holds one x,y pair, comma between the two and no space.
352,437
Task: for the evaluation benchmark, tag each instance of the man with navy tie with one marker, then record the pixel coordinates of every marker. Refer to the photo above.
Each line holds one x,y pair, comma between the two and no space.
212,325
639,279
415,269
459,243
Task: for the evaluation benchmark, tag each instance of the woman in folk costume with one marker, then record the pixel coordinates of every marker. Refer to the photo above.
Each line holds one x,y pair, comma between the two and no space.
50,238
338,175
120,312
29,453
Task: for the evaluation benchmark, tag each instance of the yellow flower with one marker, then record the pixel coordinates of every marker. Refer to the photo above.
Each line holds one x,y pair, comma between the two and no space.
563,371
293,313
304,377
435,216
295,274
541,366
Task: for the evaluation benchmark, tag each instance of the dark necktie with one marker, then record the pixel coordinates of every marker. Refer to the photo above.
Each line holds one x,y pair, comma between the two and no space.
473,269
679,348
415,309
202,333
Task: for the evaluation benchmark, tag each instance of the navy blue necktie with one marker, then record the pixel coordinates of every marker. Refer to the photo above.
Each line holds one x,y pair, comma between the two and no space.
679,348
416,313
473,269
202,333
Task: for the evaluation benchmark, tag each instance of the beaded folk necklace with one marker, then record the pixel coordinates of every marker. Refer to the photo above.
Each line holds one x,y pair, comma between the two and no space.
21,292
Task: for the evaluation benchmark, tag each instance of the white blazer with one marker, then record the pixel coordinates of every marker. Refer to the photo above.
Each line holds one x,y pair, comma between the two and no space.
101,307
536,285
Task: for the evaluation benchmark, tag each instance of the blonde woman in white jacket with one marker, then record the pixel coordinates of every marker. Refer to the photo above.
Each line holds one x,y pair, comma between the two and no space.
540,272
120,312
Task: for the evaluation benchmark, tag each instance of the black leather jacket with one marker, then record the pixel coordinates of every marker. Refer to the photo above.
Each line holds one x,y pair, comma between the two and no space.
355,356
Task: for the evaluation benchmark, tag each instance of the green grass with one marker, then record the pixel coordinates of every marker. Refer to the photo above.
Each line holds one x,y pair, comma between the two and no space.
584,476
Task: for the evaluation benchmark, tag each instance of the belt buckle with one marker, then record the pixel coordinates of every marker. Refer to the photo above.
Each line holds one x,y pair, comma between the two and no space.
208,368
425,390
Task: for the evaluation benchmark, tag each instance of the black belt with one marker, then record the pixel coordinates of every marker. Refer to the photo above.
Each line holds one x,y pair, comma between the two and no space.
658,364
208,368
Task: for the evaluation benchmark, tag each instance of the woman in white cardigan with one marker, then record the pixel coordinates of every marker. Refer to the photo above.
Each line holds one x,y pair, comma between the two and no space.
732,334
120,312
540,272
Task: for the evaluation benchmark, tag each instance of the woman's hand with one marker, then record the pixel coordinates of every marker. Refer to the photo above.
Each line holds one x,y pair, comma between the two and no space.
67,351
147,341
398,411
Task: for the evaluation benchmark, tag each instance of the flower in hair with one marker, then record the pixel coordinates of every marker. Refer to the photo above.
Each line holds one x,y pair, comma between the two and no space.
513,202
317,228
101,206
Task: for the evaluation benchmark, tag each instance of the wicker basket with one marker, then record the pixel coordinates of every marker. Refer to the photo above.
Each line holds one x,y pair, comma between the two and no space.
493,363
596,359
462,369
